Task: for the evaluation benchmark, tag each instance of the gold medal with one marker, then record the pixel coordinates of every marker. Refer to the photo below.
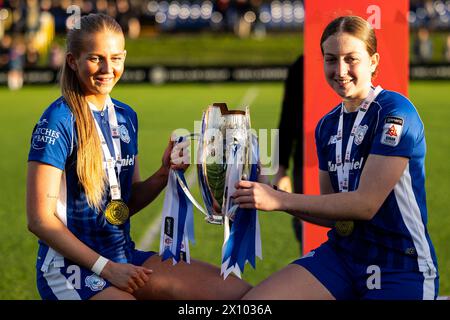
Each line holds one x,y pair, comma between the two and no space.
117,212
345,228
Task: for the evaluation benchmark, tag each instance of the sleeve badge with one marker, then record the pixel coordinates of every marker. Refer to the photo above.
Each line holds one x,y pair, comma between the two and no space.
392,131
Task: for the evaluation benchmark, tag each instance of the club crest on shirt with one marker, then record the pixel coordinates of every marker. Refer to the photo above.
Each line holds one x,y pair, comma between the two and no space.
124,135
392,131
94,282
360,132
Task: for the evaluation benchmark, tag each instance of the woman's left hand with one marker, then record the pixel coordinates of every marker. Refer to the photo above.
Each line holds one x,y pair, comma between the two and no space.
257,195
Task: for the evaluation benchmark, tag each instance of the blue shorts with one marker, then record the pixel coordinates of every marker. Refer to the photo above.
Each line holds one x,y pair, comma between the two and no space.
64,280
350,280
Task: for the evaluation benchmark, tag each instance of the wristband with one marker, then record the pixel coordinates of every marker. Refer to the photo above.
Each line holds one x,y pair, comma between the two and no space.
99,265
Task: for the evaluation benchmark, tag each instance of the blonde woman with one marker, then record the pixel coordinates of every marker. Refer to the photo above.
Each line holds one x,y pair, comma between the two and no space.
84,185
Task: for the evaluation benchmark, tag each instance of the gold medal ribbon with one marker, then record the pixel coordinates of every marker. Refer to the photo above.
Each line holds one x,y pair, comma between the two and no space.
116,211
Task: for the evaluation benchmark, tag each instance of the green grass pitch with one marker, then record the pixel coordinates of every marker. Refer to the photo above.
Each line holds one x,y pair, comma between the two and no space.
162,109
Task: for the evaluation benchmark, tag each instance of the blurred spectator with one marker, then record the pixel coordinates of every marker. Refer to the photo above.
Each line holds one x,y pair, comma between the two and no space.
56,56
126,17
243,19
31,55
4,18
447,49
134,28
18,12
87,7
423,47
260,28
32,17
58,11
46,5
16,64
224,11
5,47
112,9
101,6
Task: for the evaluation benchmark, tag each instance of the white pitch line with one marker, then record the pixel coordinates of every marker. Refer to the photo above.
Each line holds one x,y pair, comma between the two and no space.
153,230
249,97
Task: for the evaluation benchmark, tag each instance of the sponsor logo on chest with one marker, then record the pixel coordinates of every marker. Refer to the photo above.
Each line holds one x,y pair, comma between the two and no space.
128,161
354,165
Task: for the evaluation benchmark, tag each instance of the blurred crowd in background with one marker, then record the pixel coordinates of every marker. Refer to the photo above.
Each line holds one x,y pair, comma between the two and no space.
28,27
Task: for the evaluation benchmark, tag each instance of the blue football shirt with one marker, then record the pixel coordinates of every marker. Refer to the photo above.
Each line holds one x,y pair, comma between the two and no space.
397,236
54,142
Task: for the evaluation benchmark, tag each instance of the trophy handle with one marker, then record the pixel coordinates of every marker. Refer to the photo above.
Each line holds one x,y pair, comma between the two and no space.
209,218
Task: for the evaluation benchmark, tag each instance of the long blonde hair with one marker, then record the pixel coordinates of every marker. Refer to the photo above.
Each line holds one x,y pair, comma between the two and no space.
89,154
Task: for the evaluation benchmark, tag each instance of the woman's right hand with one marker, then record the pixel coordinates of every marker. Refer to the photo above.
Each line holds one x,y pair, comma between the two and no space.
180,156
255,195
125,276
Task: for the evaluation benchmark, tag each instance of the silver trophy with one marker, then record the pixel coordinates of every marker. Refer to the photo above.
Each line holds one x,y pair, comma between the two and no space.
227,152
225,155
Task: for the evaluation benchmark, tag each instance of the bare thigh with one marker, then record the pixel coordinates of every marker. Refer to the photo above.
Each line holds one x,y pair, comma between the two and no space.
113,293
197,280
291,283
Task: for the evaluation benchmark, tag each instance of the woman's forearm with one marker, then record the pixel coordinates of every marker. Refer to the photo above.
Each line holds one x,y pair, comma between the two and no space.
56,235
144,192
328,207
314,220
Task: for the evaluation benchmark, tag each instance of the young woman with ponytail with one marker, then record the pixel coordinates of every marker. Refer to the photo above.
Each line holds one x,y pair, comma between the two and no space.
84,184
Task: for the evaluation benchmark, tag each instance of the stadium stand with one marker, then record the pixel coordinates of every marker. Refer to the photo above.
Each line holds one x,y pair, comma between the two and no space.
37,21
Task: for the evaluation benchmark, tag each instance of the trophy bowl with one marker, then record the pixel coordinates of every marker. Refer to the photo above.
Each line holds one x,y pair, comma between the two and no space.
224,157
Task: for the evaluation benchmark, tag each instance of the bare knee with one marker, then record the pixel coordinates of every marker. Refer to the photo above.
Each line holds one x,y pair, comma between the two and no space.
113,293
197,280
291,283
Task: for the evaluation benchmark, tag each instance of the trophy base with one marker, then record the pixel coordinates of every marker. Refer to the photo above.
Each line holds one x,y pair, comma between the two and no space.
219,218
214,219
